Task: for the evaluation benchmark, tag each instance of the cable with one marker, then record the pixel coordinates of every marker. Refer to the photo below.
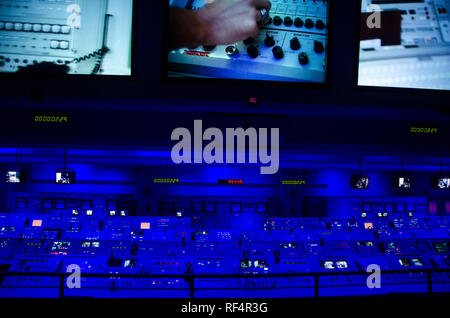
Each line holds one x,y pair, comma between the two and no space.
98,55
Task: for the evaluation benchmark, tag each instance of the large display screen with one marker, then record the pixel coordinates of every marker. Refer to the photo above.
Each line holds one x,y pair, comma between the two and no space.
249,40
90,37
405,44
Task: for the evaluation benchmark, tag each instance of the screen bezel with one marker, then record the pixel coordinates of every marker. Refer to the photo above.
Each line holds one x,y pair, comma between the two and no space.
213,82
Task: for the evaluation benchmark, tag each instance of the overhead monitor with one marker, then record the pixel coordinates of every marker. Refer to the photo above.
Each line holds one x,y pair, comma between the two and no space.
66,37
15,176
402,182
359,181
287,42
440,182
405,44
65,176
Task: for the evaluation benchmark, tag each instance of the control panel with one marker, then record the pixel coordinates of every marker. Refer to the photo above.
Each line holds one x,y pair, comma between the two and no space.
292,46
167,245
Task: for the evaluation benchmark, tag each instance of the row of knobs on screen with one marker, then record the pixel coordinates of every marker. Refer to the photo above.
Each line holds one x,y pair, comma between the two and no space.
298,22
277,51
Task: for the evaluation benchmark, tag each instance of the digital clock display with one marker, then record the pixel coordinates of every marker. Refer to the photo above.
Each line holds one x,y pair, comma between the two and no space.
51,119
231,181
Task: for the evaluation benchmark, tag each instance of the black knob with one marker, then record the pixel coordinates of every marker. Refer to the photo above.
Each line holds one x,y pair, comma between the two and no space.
320,25
209,48
278,52
288,21
252,51
249,41
269,41
295,44
298,22
277,20
318,47
303,58
309,24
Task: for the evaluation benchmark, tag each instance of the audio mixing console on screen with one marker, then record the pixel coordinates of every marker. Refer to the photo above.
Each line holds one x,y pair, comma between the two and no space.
70,36
405,44
289,44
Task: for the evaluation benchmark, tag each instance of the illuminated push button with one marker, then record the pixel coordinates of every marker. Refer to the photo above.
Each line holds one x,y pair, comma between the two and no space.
318,47
320,25
54,44
303,58
252,51
295,44
37,27
65,29
278,52
18,26
9,26
298,22
269,41
309,24
56,28
46,28
277,21
27,27
288,21
64,45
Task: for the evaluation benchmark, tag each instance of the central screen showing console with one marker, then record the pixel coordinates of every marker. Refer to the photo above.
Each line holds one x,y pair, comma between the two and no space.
289,43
